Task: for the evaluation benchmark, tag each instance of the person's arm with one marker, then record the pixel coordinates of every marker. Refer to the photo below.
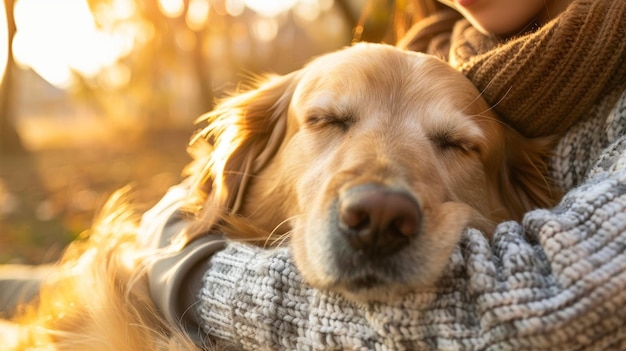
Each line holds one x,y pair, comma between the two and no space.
20,284
175,275
536,286
551,283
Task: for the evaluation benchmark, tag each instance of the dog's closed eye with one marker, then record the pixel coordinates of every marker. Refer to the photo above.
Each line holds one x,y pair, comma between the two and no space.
449,140
342,121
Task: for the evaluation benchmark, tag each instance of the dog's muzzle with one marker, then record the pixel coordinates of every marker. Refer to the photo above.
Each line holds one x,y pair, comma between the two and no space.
374,225
377,221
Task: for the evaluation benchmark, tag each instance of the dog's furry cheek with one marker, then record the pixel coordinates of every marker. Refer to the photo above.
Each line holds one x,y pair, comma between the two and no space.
311,183
443,232
310,239
310,256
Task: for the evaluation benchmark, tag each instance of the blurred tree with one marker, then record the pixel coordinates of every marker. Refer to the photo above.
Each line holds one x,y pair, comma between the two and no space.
10,141
199,47
169,59
17,164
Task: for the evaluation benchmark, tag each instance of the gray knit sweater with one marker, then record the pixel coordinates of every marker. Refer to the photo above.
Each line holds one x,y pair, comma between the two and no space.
556,281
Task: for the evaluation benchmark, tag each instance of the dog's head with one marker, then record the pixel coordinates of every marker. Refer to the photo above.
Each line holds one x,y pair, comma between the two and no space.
372,161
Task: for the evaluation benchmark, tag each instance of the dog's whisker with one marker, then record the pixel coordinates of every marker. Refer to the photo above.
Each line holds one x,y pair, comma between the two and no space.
281,240
493,106
282,237
482,93
479,96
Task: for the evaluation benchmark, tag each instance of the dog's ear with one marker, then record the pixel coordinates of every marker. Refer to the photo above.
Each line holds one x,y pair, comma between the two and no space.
524,182
243,133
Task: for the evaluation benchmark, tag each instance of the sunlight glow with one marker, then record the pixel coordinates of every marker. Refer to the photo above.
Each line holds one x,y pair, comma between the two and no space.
265,28
10,334
235,8
123,8
171,8
270,8
116,76
307,10
113,10
58,37
4,38
197,14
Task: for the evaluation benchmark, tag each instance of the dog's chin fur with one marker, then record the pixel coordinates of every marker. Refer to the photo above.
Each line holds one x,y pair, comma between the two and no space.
371,278
277,164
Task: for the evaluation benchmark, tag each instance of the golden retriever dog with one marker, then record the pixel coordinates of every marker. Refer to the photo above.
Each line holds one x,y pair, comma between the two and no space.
370,162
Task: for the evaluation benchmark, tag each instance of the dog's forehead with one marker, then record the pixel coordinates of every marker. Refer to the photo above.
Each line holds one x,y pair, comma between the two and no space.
383,73
366,61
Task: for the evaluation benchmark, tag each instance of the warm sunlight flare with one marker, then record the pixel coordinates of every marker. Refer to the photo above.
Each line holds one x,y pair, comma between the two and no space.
4,38
198,14
171,8
270,8
308,9
57,37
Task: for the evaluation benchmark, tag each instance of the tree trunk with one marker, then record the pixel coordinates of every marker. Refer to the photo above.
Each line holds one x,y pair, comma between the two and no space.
203,74
10,141
347,13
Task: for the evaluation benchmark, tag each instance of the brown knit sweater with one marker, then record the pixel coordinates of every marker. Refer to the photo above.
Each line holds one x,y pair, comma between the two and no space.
543,82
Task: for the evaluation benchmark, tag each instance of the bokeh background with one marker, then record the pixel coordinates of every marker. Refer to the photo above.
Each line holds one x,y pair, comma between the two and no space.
99,94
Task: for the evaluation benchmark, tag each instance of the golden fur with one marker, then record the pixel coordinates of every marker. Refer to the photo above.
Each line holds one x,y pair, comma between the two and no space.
308,158
371,114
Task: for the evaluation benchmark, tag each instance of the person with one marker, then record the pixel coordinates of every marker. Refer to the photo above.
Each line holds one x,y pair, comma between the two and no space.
508,18
554,281
543,65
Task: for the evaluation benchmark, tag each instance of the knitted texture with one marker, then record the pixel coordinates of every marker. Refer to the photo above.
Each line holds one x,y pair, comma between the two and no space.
544,82
556,281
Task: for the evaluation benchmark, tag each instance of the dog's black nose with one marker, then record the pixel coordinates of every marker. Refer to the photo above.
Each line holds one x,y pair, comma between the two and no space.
378,220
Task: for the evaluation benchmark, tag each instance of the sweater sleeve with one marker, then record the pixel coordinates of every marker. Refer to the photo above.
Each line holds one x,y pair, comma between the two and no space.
542,83
550,283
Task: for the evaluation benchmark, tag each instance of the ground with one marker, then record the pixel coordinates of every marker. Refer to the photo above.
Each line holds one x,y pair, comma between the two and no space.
50,195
